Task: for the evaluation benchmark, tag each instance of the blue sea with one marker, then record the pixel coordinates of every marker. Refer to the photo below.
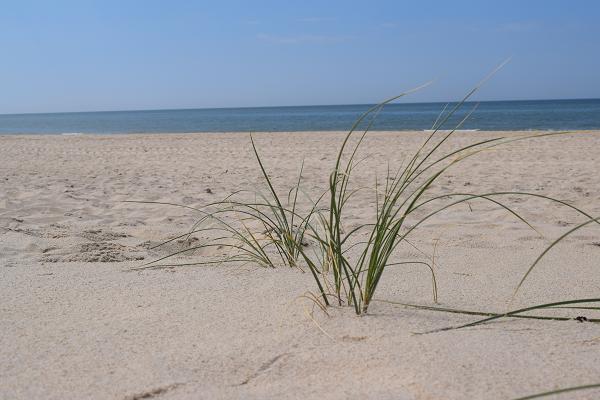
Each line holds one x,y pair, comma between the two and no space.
491,115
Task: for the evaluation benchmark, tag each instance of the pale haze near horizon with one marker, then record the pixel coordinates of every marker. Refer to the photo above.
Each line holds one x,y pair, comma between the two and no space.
96,56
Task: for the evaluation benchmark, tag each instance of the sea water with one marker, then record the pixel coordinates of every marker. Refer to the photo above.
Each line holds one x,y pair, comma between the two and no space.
491,115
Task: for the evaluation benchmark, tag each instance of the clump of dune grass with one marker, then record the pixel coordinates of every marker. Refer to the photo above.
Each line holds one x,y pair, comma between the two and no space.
271,230
354,281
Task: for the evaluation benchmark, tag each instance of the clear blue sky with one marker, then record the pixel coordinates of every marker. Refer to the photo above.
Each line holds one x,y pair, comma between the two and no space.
120,55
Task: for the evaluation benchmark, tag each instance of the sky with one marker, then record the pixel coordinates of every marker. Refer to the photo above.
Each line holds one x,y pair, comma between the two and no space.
60,56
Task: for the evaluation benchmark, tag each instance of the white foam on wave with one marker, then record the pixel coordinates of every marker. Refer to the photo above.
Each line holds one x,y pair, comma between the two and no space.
72,133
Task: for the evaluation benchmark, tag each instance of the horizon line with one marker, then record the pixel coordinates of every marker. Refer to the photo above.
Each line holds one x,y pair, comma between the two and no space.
287,106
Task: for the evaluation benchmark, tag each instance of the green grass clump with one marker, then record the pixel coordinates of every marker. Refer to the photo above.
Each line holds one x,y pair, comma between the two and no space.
355,280
348,266
266,231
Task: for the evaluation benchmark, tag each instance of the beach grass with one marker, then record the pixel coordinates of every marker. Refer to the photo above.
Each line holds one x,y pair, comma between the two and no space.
355,281
258,232
347,267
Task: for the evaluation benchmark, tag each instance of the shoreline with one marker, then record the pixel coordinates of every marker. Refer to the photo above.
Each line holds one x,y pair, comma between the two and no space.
118,134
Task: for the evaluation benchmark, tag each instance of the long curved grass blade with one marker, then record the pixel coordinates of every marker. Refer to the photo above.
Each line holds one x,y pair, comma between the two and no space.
149,264
471,312
434,126
165,203
433,279
264,172
559,391
520,311
368,112
514,193
554,243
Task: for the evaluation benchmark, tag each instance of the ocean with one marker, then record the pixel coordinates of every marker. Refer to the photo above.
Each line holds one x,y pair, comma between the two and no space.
490,115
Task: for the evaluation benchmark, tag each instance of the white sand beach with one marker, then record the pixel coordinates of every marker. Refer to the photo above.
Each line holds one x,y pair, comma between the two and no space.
77,323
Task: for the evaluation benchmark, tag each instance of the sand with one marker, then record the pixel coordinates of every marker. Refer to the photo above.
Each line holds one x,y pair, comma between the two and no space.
77,323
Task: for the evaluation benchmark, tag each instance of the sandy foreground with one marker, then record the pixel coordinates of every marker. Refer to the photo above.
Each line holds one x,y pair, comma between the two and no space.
76,323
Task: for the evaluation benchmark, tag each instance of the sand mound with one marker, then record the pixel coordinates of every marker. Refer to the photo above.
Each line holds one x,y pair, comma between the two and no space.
99,235
94,252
